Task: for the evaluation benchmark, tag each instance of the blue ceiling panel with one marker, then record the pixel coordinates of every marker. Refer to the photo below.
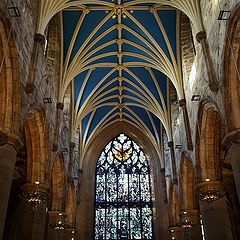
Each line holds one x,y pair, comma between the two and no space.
78,81
70,20
169,21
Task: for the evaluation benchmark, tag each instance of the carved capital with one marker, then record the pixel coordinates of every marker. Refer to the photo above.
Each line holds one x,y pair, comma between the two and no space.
11,139
170,144
3,138
200,36
60,105
29,87
39,38
182,103
231,137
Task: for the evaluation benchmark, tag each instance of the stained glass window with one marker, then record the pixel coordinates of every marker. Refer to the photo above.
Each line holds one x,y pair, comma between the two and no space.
123,206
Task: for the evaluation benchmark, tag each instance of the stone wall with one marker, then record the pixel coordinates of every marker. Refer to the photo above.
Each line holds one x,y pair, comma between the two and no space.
196,83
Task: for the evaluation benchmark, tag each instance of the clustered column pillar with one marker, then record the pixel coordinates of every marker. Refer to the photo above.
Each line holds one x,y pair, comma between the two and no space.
182,104
174,170
201,38
57,126
9,146
39,40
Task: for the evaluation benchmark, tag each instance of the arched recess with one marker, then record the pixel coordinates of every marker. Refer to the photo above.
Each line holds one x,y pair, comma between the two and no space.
9,79
231,80
71,206
209,134
174,219
85,210
58,184
37,146
187,184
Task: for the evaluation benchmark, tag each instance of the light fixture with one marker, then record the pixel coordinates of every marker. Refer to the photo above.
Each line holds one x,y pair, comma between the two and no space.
35,198
14,12
224,15
196,98
186,224
210,191
59,225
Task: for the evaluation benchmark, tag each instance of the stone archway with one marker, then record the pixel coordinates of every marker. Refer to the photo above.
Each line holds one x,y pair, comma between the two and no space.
37,146
231,80
9,112
85,210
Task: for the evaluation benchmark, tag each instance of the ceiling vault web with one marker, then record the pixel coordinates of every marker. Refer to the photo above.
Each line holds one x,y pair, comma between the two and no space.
119,70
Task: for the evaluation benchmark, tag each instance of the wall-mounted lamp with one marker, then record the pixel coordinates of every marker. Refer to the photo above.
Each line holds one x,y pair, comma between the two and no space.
47,100
178,146
196,98
14,12
224,15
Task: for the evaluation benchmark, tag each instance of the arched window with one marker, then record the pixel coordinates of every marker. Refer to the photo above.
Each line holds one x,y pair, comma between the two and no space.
123,206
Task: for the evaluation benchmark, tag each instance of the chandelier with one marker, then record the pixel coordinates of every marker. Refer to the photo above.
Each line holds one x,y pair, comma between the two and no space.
210,191
60,223
34,197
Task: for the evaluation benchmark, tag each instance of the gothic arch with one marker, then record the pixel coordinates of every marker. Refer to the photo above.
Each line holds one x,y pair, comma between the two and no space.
187,184
58,184
209,134
173,206
85,211
37,146
231,76
9,79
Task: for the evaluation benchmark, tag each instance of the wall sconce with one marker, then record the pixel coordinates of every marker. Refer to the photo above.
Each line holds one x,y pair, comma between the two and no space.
196,98
47,100
14,12
178,146
224,15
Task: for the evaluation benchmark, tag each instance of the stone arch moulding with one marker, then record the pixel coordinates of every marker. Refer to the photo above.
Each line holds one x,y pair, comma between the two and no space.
209,133
36,135
231,76
58,184
187,183
9,79
85,210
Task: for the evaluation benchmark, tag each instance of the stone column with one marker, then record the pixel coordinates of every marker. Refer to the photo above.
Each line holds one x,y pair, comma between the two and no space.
215,218
53,219
59,107
175,233
39,41
30,219
71,159
174,170
182,104
192,217
9,145
201,38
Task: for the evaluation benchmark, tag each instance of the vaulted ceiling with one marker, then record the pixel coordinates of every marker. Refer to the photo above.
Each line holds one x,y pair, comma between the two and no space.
119,56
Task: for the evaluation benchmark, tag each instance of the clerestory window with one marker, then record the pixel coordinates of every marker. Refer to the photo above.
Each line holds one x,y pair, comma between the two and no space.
123,206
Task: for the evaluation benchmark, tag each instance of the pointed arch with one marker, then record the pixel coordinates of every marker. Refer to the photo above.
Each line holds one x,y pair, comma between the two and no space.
187,184
208,142
58,184
9,79
37,146
231,75
85,210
